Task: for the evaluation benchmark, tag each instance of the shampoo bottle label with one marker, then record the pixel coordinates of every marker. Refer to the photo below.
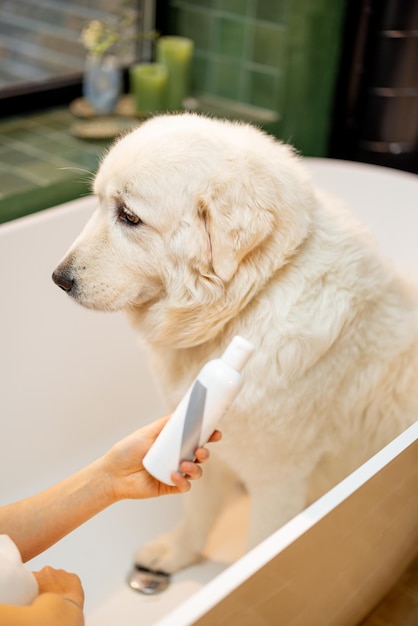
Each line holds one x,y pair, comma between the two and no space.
193,420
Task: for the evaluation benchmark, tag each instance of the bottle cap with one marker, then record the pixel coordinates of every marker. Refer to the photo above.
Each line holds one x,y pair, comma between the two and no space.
238,352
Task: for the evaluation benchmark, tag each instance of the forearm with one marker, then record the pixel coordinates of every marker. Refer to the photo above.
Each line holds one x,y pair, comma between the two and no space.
34,524
49,609
38,522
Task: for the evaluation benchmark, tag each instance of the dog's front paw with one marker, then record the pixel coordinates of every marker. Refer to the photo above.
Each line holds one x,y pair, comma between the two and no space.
166,554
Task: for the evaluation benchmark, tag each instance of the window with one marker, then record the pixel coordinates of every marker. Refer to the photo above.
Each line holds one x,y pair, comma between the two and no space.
41,55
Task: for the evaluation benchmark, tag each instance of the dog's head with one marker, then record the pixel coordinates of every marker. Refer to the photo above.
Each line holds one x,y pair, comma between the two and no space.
194,215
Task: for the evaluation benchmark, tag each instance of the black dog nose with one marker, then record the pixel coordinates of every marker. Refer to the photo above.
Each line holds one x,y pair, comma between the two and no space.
63,281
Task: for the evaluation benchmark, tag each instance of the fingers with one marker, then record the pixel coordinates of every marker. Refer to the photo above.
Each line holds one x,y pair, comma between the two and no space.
153,429
202,455
181,482
62,583
215,436
191,470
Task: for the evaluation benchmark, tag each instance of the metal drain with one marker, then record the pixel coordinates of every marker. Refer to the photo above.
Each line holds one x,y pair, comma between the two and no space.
148,581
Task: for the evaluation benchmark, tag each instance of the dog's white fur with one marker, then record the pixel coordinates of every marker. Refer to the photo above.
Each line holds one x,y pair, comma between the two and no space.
234,239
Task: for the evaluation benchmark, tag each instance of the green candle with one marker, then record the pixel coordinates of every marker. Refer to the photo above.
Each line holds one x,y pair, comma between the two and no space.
148,82
176,54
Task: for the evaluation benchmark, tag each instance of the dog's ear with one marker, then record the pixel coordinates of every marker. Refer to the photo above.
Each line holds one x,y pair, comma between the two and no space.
235,224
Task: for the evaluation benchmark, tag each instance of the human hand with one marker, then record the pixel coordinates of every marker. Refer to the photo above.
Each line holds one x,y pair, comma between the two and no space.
61,583
129,479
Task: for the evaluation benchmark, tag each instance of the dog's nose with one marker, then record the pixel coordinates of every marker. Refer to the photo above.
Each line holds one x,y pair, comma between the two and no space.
63,281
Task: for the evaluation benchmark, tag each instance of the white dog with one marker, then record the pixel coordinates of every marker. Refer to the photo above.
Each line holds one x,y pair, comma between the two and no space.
206,229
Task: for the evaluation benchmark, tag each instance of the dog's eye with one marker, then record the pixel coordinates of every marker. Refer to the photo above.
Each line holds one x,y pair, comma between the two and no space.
124,215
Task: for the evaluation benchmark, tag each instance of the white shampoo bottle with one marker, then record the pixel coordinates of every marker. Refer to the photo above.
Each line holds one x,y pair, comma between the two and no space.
198,413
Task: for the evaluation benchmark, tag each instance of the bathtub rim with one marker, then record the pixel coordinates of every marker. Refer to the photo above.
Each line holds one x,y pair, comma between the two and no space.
191,611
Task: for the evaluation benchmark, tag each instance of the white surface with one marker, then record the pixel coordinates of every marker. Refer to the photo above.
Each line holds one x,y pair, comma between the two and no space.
384,199
74,381
17,583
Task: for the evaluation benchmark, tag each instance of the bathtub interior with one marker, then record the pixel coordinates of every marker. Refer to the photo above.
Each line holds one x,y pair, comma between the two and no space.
74,381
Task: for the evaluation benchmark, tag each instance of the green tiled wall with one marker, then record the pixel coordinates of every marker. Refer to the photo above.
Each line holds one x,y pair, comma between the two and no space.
42,164
235,50
280,55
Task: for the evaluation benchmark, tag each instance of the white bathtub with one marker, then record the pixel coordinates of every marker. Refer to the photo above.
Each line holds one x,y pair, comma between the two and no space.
73,382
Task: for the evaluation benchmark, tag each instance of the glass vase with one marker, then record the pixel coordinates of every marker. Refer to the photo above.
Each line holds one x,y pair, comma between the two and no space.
102,83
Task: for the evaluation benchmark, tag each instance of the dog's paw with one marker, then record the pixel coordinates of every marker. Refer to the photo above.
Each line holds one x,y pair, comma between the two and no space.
166,554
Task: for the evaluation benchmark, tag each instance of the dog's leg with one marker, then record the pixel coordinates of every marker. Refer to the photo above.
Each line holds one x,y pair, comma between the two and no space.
272,505
183,546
